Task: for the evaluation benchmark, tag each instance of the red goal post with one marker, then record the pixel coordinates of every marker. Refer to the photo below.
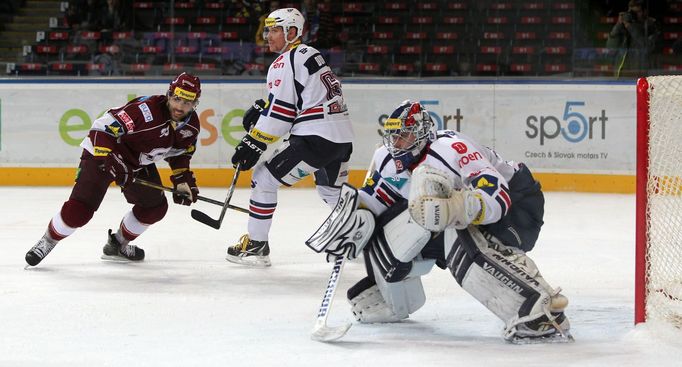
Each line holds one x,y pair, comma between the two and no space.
658,262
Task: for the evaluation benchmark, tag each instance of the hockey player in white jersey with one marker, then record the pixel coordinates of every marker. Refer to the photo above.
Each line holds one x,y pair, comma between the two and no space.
440,198
305,100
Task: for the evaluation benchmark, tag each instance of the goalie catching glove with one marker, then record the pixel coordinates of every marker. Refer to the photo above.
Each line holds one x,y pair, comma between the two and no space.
436,205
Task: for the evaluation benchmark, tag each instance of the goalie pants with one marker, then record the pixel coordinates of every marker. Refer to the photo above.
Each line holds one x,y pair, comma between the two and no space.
297,158
520,228
149,205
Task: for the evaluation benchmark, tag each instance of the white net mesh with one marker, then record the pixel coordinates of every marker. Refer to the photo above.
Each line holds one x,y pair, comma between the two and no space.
664,211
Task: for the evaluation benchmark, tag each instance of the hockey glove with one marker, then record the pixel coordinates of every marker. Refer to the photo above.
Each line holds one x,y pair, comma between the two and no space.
121,172
247,152
185,185
252,114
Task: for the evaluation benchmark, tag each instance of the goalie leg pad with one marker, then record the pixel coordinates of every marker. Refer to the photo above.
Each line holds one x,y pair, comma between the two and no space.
509,284
381,301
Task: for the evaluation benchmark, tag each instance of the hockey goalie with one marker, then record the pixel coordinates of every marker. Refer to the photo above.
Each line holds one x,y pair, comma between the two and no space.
440,198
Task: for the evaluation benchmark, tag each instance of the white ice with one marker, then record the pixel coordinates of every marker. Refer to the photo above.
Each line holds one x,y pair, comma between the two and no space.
186,306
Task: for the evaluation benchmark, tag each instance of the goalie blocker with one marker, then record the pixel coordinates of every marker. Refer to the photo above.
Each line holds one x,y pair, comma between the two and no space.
399,251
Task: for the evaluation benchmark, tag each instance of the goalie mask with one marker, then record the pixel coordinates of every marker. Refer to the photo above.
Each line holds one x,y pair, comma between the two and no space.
406,133
285,18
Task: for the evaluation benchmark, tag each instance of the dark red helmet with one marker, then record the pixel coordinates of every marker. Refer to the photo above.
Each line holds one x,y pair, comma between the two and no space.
185,86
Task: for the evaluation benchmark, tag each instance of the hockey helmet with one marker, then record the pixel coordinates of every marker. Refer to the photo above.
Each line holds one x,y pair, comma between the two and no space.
185,86
285,18
407,131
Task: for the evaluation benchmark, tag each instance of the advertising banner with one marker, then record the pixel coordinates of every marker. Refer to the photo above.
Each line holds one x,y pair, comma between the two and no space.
553,127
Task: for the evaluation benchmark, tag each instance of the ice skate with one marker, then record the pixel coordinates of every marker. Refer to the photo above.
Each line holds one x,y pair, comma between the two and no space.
554,329
38,252
116,251
249,252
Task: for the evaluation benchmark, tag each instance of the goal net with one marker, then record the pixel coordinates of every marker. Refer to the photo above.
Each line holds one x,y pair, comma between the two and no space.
659,201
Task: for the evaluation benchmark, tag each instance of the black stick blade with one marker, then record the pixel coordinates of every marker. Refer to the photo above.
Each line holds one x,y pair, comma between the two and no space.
205,219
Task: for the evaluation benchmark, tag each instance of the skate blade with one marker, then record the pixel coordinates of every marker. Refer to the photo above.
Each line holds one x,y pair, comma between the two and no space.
117,259
556,338
253,261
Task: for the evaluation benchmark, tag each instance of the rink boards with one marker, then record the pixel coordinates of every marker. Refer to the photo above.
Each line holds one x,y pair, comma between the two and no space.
576,135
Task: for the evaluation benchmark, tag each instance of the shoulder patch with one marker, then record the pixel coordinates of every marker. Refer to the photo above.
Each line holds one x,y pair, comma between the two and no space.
146,112
315,63
114,129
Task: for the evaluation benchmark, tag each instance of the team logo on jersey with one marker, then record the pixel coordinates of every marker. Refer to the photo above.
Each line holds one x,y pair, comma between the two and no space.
146,112
460,147
165,131
186,133
486,183
302,173
126,120
115,129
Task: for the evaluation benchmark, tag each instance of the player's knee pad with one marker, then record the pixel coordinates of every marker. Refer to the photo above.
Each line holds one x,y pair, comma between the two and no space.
507,282
76,213
151,215
263,180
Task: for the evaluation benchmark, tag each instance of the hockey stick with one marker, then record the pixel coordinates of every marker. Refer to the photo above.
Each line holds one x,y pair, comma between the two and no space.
199,197
215,223
321,331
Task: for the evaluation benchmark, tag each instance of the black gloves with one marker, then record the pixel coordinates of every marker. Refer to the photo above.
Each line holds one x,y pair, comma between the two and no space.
186,186
252,114
121,172
247,152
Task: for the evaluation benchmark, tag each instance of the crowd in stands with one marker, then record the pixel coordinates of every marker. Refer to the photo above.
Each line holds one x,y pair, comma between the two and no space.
398,38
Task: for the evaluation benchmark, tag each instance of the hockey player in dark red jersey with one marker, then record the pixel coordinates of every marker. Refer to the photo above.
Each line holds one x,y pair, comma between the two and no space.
123,145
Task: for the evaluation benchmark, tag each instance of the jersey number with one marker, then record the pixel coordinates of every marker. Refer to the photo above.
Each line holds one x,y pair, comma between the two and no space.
331,83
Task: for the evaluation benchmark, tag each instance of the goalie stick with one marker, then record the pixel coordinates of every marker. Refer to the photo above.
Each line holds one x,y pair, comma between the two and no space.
321,331
215,223
174,191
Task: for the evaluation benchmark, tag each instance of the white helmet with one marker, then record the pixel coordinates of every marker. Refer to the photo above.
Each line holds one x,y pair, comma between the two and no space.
285,18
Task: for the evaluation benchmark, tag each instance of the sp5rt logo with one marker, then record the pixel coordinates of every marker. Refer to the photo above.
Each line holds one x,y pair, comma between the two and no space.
574,126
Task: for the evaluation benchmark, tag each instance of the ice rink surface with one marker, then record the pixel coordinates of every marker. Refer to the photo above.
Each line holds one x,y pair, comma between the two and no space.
186,306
